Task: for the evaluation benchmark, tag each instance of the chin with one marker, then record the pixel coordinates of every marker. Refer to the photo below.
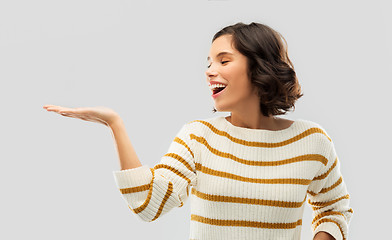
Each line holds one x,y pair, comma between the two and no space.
221,108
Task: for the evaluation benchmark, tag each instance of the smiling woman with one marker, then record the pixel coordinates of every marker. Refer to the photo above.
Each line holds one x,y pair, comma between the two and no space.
250,173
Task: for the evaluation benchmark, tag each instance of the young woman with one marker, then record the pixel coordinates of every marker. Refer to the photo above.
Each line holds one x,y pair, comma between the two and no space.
251,171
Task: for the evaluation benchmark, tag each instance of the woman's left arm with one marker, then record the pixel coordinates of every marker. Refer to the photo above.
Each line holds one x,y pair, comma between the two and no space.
329,198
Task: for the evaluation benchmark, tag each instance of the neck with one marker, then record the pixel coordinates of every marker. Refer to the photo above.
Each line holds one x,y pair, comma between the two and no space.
254,121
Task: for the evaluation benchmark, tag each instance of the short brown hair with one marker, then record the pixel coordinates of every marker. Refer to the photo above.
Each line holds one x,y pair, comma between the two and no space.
269,67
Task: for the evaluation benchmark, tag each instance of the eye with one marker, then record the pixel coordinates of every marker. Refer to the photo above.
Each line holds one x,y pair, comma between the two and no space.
223,62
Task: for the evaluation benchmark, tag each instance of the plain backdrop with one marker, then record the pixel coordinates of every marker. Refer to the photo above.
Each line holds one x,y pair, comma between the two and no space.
147,61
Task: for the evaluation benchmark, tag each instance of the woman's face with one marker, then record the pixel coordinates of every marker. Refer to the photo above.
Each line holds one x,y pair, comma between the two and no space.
229,67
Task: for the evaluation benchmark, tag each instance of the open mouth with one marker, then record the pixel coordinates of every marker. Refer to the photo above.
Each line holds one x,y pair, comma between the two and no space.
217,90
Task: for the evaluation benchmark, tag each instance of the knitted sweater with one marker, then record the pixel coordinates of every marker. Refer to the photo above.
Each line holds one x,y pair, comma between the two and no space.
245,183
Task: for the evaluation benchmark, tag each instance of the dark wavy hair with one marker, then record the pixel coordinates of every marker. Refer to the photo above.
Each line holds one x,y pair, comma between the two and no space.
269,67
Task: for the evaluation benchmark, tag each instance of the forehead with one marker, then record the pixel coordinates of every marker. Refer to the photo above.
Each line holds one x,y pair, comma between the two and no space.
222,46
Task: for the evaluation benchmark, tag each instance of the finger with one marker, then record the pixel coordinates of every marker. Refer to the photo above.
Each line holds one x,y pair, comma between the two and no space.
53,109
62,109
78,109
50,109
48,105
64,113
73,115
51,106
56,107
66,109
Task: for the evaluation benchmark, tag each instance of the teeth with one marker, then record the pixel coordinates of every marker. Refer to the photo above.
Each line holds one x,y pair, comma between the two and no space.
214,86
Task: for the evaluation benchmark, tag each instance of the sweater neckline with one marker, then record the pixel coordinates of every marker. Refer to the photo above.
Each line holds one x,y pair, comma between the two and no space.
259,131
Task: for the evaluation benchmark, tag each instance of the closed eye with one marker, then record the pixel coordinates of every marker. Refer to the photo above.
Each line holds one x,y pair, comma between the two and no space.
223,62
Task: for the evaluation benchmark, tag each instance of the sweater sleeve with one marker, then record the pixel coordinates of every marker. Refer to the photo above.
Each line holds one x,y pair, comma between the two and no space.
152,192
329,198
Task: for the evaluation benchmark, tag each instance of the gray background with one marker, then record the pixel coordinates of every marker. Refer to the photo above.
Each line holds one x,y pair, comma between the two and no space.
146,60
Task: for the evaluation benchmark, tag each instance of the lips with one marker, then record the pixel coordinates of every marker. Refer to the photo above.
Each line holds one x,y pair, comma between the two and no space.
217,88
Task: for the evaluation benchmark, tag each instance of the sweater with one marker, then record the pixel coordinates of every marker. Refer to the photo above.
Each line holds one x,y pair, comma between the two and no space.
244,183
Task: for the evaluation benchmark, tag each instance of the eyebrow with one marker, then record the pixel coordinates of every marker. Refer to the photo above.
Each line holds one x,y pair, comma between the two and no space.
220,54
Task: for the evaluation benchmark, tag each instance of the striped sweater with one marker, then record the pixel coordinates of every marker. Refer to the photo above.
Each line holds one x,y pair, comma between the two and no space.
244,183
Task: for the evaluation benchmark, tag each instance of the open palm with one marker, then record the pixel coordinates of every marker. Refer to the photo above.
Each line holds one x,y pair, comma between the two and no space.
99,114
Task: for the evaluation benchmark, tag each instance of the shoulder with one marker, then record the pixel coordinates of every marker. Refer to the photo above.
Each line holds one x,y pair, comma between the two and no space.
320,137
309,123
201,126
202,122
313,127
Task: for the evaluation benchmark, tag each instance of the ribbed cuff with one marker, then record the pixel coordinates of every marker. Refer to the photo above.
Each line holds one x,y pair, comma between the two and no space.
133,177
330,228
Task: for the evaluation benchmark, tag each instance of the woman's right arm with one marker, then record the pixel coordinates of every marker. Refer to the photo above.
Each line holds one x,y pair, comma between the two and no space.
149,192
110,118
126,152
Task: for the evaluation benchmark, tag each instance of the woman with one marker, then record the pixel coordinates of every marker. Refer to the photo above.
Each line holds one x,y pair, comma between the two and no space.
251,171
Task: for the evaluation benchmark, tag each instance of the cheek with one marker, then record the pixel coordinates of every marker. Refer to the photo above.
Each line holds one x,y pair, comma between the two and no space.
241,78
235,75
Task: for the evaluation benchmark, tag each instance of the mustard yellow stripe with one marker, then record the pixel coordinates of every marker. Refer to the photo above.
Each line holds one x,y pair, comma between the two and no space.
187,190
318,205
180,141
244,223
330,220
135,189
144,205
182,203
158,166
306,157
322,176
328,213
324,190
253,180
131,209
263,144
253,201
312,193
339,181
165,198
180,159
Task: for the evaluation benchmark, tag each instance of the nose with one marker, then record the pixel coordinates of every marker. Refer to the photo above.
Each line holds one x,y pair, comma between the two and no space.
210,73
